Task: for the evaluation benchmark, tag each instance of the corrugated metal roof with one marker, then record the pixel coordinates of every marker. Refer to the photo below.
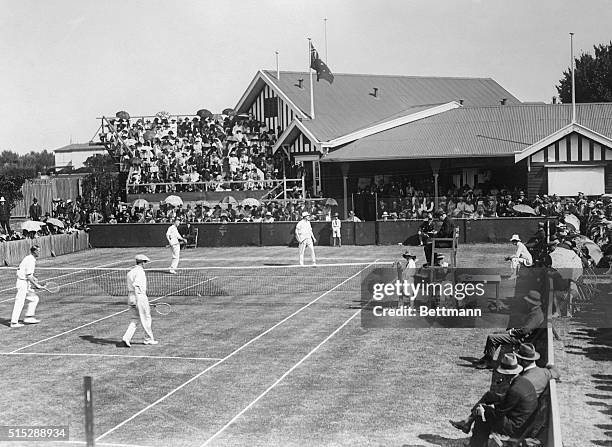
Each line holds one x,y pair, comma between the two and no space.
348,104
475,132
80,147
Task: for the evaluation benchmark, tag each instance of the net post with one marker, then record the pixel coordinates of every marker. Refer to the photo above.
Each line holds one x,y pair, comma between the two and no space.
89,421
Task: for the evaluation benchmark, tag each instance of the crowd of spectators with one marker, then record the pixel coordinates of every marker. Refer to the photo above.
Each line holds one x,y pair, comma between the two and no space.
168,154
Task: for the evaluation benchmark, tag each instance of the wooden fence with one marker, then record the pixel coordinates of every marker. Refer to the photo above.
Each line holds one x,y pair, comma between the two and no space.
12,252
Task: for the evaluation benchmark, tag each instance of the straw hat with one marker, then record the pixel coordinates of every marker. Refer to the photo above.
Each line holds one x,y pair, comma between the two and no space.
509,365
142,258
533,297
515,237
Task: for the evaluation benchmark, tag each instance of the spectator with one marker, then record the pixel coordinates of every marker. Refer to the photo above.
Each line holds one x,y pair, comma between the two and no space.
35,210
5,216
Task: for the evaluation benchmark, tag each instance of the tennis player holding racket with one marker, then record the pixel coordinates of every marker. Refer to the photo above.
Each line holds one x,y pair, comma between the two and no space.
26,282
139,303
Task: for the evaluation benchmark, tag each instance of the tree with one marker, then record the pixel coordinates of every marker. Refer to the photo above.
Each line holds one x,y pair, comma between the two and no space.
11,189
101,187
593,77
27,165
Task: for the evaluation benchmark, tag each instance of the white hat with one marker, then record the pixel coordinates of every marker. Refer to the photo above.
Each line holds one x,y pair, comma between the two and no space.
305,213
515,237
2,199
143,258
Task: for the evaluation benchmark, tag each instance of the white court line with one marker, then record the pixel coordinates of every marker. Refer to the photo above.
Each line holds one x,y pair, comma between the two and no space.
104,318
67,354
280,379
109,444
81,269
236,351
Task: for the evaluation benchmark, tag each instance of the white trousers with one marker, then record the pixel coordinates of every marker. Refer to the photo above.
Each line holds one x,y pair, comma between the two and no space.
24,292
140,311
176,254
307,243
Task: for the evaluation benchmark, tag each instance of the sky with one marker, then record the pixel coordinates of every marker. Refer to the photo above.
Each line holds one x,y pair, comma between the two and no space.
66,63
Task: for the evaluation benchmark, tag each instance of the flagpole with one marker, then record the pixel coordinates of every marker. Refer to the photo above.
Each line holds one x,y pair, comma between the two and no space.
312,110
277,69
325,25
573,81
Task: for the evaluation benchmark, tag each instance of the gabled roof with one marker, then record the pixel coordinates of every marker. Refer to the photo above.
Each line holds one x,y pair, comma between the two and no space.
349,104
81,147
475,132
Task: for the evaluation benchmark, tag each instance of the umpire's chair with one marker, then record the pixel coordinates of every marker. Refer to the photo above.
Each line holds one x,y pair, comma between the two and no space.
449,243
192,239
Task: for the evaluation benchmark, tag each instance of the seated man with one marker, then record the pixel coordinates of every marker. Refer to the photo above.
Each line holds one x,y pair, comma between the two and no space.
505,409
521,257
533,319
447,230
426,229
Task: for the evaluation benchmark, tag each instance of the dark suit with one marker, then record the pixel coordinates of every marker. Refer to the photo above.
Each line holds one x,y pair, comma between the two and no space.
508,415
533,320
35,211
5,217
539,377
447,230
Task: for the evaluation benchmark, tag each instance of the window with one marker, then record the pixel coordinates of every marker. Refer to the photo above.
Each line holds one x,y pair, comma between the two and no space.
270,107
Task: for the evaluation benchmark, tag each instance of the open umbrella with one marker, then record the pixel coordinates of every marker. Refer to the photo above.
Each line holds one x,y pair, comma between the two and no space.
32,225
173,200
228,111
136,161
572,221
331,202
251,202
594,250
55,222
567,263
229,200
163,115
140,203
524,209
204,113
122,115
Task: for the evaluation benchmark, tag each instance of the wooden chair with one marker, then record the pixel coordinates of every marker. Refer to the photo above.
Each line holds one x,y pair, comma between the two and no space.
192,239
453,248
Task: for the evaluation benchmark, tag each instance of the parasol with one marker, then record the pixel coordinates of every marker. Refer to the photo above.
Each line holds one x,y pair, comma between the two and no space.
149,135
140,203
331,202
136,161
55,222
229,200
163,115
228,111
572,221
594,250
32,225
524,209
251,202
122,115
204,113
173,200
567,263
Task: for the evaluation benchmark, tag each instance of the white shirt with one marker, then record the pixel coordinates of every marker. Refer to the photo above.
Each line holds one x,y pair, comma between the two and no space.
522,252
336,223
303,231
137,281
173,235
26,267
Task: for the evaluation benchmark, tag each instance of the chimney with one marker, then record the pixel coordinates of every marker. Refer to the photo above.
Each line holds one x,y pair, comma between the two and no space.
554,100
461,101
300,83
503,101
374,92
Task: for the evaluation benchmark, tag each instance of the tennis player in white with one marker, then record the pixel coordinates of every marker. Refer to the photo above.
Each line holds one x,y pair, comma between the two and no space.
304,236
25,292
336,225
174,239
139,303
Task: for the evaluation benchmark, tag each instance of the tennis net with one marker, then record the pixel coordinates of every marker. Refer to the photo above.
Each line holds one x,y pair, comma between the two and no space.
209,281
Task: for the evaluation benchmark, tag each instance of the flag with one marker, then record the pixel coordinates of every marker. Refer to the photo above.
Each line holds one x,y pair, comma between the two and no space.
323,71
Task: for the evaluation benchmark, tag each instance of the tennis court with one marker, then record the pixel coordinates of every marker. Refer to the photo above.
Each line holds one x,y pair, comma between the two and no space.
254,353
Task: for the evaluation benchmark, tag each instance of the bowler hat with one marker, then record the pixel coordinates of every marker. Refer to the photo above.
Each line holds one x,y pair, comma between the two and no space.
533,297
527,351
509,365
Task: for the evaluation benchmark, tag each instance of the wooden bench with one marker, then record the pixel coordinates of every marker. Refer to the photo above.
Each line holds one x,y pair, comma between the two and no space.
485,279
454,241
192,239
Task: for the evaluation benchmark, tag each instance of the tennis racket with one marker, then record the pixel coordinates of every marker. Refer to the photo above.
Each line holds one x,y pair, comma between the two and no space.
51,287
162,308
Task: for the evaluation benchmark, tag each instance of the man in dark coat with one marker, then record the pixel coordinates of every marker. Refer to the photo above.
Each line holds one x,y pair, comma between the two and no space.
35,210
5,216
533,319
507,411
447,230
539,377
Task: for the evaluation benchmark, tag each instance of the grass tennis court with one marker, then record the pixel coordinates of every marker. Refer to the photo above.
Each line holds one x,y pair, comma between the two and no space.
271,366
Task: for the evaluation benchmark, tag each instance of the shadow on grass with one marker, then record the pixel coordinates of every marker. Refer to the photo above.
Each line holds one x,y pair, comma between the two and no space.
5,322
98,341
442,441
